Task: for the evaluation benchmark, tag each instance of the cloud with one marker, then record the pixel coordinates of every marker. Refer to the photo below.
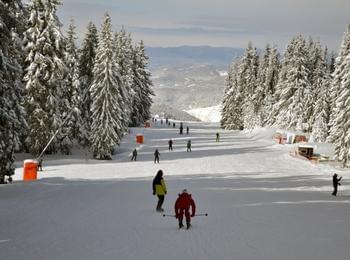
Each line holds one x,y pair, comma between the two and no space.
219,22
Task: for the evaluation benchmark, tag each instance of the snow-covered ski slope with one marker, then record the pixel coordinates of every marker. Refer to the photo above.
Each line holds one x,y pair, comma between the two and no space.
262,203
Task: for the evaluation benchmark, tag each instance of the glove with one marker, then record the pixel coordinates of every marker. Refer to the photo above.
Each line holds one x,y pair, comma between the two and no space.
176,216
165,192
154,193
192,215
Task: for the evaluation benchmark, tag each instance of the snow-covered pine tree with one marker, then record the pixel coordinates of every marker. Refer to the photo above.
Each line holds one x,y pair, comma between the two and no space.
340,131
73,128
313,50
44,74
248,70
87,55
12,118
294,104
271,80
232,111
124,53
337,77
142,101
107,127
331,63
321,87
260,91
340,96
278,99
227,99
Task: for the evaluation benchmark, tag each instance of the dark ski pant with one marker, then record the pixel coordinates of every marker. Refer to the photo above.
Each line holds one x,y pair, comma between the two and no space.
156,159
170,147
133,158
187,214
335,190
160,202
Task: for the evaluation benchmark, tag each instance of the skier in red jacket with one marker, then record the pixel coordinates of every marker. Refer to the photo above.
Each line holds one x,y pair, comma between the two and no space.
182,207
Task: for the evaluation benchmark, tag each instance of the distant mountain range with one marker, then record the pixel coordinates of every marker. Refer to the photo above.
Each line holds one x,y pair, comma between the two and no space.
189,55
188,77
188,86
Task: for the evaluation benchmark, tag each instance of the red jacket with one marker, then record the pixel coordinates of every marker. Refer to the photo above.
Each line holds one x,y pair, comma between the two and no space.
184,202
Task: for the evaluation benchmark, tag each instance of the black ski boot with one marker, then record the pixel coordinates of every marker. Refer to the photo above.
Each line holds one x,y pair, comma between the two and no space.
188,225
181,225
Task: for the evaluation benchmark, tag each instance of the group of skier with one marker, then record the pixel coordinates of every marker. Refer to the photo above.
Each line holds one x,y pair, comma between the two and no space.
182,128
184,204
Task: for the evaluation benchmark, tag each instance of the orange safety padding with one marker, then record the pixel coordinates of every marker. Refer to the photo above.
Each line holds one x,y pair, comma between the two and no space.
30,171
139,139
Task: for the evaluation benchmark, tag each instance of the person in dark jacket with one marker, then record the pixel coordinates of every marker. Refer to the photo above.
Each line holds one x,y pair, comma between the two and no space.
189,145
182,207
174,125
170,145
134,155
336,183
159,189
217,137
156,156
187,130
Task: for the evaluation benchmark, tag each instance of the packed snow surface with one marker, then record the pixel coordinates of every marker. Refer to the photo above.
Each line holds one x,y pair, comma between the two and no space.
262,203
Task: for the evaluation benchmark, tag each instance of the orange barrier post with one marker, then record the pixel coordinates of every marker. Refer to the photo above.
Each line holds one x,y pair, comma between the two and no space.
30,170
139,139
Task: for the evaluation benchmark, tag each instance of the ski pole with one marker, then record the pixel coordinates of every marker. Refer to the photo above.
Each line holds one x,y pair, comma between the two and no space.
197,215
201,215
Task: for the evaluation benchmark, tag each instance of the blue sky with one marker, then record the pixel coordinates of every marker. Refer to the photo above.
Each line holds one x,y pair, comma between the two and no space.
230,23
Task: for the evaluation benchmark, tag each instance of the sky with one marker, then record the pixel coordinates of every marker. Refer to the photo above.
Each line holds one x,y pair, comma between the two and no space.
228,23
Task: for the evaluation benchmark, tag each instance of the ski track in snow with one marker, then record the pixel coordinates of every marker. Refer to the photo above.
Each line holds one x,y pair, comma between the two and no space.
262,203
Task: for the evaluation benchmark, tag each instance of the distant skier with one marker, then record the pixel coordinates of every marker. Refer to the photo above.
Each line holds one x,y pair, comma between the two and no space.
166,120
182,207
174,125
187,130
161,121
181,129
134,155
336,183
170,145
156,156
189,146
217,137
159,189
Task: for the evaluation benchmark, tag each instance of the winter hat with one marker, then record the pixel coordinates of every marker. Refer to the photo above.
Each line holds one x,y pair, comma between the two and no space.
184,191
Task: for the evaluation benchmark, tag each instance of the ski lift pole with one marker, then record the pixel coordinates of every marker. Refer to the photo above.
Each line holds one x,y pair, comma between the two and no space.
53,137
